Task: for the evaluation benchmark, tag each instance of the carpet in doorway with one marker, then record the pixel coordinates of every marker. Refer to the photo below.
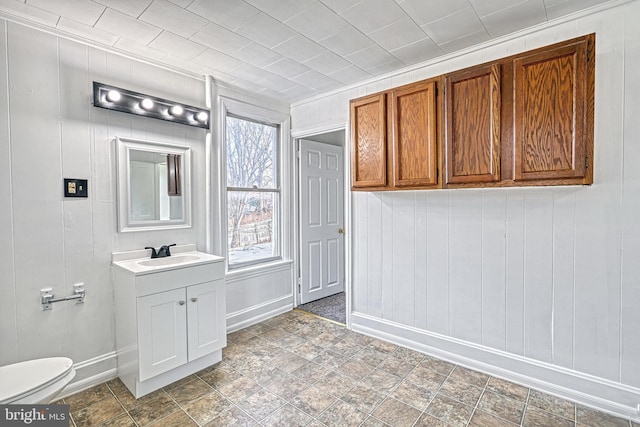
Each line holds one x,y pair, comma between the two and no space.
331,307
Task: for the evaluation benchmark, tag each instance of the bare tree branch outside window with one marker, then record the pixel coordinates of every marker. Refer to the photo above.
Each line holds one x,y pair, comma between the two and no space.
253,192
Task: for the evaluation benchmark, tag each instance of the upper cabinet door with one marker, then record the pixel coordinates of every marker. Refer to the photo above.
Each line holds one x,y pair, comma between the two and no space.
551,106
369,142
414,117
472,129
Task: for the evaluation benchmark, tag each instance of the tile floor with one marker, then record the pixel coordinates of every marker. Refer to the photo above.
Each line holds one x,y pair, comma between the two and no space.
300,370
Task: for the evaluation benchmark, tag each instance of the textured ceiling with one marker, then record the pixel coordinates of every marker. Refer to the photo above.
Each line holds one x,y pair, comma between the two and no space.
289,49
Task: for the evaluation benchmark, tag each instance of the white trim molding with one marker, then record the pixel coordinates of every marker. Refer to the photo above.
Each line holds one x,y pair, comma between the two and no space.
91,372
257,313
598,393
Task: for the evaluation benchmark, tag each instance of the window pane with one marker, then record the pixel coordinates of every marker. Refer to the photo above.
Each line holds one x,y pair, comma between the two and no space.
252,233
251,149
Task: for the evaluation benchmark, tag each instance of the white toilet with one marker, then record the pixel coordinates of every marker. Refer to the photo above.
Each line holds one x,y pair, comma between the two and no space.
35,381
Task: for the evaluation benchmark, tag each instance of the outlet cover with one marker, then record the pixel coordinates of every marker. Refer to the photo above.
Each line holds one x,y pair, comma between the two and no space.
76,187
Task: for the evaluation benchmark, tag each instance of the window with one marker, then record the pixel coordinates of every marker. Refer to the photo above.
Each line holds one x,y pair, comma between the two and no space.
253,191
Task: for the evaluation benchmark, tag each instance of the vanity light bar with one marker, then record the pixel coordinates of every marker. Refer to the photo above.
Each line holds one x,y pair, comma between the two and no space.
126,101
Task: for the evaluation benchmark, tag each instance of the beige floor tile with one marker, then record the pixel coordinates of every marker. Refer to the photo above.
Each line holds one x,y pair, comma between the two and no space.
177,419
354,369
440,366
310,372
427,420
413,395
552,404
396,366
382,381
239,389
123,420
330,359
461,391
469,376
373,422
449,410
335,383
153,410
483,419
287,387
408,355
383,346
98,412
88,397
207,407
288,361
502,406
535,417
220,376
592,418
232,417
313,400
508,389
426,378
370,356
363,398
261,404
287,416
396,413
190,391
342,414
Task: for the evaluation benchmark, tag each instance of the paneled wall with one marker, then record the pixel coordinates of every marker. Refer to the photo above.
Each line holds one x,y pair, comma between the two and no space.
49,131
546,278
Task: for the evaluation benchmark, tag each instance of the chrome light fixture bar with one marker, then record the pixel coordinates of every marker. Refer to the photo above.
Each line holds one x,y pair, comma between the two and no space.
126,101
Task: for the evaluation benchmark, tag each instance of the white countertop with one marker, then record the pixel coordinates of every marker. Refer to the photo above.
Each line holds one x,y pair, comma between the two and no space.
184,255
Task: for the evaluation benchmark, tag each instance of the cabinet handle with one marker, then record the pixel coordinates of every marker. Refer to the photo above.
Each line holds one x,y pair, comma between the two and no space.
181,302
194,299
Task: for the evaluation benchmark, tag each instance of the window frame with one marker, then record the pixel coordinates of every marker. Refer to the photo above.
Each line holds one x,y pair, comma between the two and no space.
244,111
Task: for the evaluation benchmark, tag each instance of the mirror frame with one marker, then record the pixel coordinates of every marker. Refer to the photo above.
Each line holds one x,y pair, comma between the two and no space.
123,149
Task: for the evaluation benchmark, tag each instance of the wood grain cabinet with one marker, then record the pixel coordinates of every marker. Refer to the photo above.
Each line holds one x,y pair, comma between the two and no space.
553,113
395,139
472,125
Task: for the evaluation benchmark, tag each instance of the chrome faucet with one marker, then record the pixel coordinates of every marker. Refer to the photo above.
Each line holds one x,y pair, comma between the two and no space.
162,252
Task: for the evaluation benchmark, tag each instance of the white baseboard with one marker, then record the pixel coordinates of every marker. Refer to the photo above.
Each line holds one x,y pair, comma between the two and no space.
259,312
588,390
90,373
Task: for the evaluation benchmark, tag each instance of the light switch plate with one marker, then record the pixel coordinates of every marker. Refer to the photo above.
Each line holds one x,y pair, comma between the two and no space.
76,187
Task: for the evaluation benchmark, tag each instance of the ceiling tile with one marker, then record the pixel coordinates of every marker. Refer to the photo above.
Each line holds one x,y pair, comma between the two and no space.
287,68
424,12
182,3
349,75
28,12
385,67
521,15
257,55
229,14
217,61
466,41
347,41
281,9
248,73
327,62
167,15
219,38
556,9
416,52
139,49
265,30
177,46
370,15
299,48
86,32
130,7
83,11
371,57
314,80
130,28
454,26
299,92
339,5
487,7
274,81
316,22
398,34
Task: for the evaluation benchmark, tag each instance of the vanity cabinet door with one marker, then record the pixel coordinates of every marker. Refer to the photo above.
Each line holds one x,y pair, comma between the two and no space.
472,130
162,332
206,318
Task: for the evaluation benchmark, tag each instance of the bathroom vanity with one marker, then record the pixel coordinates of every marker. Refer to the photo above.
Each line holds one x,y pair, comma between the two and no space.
170,316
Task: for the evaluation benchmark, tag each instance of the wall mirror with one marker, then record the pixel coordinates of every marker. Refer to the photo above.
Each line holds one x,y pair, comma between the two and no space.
154,185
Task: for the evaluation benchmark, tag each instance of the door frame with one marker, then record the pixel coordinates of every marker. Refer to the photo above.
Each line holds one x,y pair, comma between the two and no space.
297,136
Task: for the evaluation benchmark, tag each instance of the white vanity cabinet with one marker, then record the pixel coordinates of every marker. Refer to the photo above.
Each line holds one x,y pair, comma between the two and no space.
170,320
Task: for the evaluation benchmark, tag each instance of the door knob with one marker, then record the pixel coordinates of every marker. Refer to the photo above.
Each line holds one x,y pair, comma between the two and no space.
341,230
194,299
181,302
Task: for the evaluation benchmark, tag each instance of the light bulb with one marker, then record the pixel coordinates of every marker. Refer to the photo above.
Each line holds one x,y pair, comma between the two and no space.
113,96
176,110
202,116
147,104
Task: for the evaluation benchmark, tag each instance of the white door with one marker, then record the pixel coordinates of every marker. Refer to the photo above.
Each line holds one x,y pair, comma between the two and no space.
206,327
162,332
321,220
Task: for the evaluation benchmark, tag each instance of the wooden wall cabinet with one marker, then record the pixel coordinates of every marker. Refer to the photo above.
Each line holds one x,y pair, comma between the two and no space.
395,138
523,120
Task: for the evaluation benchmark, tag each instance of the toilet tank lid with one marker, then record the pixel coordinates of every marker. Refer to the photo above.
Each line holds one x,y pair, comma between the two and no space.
20,378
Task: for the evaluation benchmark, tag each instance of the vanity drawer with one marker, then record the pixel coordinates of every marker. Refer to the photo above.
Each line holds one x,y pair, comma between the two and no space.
166,280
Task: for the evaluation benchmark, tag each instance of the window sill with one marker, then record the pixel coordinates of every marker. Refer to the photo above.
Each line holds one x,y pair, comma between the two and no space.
257,270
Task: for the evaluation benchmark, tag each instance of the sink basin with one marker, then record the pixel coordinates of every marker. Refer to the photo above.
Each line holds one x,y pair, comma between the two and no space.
170,260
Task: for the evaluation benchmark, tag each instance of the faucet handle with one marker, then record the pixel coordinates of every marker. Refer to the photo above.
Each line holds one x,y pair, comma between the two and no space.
168,251
154,254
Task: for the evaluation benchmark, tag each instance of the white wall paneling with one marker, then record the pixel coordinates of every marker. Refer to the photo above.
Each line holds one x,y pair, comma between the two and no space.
539,285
